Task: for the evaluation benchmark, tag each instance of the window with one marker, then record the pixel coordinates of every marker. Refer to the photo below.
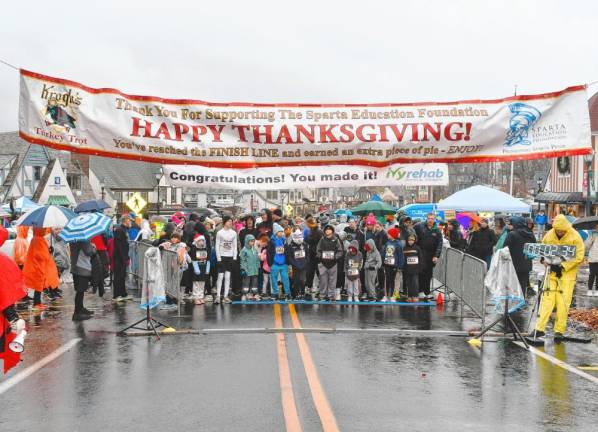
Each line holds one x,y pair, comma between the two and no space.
272,195
173,195
37,173
74,181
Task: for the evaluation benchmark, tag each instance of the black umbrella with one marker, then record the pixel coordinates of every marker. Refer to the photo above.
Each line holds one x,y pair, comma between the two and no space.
92,206
586,223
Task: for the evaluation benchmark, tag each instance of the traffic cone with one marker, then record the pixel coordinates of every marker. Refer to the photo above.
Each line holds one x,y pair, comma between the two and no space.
439,299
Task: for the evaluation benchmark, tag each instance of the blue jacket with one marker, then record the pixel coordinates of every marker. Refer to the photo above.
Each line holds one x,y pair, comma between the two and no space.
541,219
277,251
393,254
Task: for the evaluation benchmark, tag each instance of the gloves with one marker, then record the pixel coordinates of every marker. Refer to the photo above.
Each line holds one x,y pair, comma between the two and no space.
557,269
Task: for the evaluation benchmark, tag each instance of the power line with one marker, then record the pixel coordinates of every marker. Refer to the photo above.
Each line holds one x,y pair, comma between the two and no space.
8,64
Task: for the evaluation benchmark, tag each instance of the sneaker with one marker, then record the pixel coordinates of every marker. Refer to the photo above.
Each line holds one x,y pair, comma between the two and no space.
128,297
199,302
430,297
209,299
87,311
421,295
558,337
338,296
243,297
256,297
393,300
384,299
118,299
81,317
217,300
226,300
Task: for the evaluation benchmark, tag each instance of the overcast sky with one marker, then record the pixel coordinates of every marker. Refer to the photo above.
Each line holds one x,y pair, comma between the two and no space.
307,51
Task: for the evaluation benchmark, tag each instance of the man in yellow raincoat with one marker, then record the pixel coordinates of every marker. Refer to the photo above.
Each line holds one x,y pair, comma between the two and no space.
562,278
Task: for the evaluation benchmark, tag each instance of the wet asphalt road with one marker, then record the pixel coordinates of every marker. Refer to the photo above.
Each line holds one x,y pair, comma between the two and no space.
373,381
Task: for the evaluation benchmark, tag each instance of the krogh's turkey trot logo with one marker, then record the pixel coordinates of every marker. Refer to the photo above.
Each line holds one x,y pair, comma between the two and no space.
59,112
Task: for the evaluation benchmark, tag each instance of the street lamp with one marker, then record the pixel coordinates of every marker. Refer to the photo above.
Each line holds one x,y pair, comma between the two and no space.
589,158
158,175
103,186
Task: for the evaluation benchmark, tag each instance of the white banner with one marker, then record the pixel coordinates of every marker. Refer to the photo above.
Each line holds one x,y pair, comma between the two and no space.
71,116
435,174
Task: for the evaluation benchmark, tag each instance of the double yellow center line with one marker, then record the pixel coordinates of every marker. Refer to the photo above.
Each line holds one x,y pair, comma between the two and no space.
289,407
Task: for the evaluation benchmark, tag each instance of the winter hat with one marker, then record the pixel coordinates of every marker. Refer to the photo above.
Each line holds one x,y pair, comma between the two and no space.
277,228
329,228
297,237
198,238
324,220
393,233
370,220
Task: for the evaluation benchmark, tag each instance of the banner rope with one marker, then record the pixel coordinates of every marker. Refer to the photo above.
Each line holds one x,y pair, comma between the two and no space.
8,64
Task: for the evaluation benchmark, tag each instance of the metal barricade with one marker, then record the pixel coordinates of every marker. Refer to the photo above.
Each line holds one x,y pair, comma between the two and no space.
170,268
440,268
454,271
474,291
172,276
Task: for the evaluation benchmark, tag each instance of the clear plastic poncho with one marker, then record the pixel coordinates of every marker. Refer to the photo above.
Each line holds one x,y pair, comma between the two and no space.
152,282
501,280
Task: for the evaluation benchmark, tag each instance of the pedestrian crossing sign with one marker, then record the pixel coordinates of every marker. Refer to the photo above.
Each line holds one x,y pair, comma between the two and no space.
136,203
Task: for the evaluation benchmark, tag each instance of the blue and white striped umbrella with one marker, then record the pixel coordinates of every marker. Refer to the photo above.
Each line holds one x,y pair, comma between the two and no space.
85,226
46,217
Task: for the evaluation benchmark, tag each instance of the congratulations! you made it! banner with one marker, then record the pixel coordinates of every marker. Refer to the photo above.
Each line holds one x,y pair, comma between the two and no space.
67,115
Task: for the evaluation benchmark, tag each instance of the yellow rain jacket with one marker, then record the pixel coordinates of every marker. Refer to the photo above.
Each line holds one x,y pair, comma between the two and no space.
560,291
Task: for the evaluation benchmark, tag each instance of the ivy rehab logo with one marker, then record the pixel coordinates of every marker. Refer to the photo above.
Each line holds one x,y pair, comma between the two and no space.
406,174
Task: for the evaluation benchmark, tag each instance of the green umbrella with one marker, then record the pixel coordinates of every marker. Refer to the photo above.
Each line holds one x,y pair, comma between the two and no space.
378,208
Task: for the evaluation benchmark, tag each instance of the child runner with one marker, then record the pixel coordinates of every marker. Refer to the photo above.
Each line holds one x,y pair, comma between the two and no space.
250,266
297,253
199,268
393,263
413,257
226,254
278,262
353,262
372,264
329,251
265,267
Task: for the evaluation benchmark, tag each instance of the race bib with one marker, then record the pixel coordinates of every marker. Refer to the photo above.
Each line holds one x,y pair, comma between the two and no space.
299,254
412,260
328,255
201,255
353,264
227,245
279,250
389,260
352,272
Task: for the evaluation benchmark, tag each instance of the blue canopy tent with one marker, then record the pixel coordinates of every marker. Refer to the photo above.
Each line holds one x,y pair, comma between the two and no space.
482,198
22,205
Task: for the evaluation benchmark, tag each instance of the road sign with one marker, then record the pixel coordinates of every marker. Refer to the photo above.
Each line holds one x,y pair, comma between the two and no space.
289,209
136,203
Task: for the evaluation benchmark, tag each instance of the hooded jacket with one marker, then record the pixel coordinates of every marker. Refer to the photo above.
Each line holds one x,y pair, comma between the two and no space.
393,254
519,236
298,255
353,261
250,260
455,238
329,251
355,234
571,237
405,232
373,260
413,258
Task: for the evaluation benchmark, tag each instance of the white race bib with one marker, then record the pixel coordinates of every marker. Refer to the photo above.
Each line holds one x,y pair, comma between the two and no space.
299,254
412,260
389,260
201,255
279,250
227,245
352,271
328,255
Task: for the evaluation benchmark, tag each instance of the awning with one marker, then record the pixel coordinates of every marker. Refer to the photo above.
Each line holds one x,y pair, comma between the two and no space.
560,197
58,200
